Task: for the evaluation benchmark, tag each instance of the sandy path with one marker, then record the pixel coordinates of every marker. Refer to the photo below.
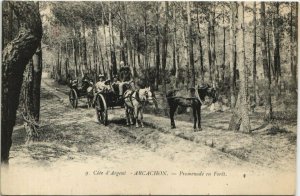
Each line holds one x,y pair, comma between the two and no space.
73,145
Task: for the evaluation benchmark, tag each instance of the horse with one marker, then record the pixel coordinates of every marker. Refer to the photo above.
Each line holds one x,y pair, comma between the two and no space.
195,101
134,102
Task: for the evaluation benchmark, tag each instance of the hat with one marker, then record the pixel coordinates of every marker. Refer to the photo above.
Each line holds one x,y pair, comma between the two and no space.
101,76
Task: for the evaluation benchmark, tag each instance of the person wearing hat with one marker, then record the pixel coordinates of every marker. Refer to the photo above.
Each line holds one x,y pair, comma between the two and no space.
100,85
125,77
85,82
115,84
125,74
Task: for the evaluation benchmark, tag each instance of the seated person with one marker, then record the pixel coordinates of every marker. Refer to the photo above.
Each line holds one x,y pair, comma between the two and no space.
125,77
85,82
125,73
115,84
102,84
73,83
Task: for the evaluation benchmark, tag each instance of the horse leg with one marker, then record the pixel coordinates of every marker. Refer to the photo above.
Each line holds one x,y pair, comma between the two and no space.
127,114
173,108
136,115
131,116
195,115
199,116
141,114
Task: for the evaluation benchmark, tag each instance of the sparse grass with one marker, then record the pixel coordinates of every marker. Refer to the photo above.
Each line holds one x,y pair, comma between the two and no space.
66,132
275,130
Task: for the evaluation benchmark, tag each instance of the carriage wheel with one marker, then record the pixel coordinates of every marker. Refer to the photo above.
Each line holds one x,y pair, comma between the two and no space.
101,109
73,98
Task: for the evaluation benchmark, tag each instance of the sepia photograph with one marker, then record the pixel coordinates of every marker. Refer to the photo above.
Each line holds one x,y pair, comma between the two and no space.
149,97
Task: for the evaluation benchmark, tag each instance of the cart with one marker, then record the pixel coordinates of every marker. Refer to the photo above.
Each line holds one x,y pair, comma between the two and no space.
77,93
105,100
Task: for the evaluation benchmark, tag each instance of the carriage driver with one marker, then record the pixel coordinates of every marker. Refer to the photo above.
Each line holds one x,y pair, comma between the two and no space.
125,76
85,82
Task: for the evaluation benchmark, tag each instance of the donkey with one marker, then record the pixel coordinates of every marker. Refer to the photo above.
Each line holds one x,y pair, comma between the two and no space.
135,102
195,101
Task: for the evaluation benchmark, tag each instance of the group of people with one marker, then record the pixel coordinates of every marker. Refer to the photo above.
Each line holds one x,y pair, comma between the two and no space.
115,84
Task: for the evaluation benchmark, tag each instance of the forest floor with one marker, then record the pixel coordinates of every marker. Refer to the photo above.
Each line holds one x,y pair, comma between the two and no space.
70,137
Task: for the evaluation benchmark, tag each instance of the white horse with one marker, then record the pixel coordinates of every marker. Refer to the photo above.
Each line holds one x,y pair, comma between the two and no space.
135,102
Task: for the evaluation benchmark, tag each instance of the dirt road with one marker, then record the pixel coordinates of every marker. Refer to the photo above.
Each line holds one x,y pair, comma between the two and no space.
72,138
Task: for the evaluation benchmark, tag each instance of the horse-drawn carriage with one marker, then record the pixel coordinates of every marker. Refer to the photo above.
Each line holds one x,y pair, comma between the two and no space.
77,92
132,100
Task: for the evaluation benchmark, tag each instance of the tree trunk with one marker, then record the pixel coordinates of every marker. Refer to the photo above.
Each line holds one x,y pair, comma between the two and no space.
176,56
200,48
102,61
75,57
124,11
244,56
115,64
80,57
224,51
296,48
157,81
37,76
105,45
255,92
165,45
7,35
242,107
95,53
267,78
66,61
191,51
293,63
84,50
128,42
112,46
31,95
186,54
232,54
215,69
123,56
27,102
131,58
58,72
209,49
276,30
138,46
270,53
174,68
15,56
146,44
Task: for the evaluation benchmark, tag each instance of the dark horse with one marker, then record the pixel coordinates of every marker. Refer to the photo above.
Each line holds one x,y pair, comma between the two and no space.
195,101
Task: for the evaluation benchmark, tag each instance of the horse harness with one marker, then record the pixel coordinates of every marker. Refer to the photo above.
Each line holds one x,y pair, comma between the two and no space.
130,96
